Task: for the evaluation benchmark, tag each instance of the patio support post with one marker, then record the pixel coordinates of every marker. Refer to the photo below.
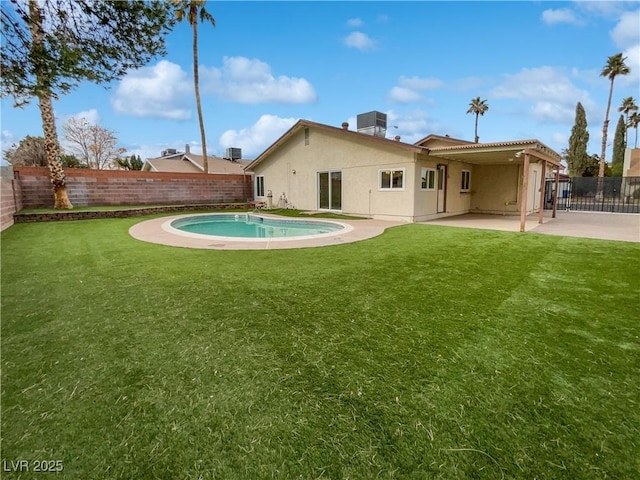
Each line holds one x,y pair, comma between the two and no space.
523,194
542,184
555,193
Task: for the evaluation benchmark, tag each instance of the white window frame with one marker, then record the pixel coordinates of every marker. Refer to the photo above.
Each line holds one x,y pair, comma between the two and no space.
465,183
391,188
259,185
425,174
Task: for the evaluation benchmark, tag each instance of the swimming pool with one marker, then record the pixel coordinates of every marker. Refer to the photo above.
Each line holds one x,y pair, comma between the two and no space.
250,227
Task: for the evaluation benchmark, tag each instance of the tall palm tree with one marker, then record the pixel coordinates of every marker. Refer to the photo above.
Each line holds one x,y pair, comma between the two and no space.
615,66
477,107
51,144
634,121
192,10
628,105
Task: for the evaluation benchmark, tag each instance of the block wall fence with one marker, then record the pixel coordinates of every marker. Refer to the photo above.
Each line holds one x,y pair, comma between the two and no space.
29,187
10,197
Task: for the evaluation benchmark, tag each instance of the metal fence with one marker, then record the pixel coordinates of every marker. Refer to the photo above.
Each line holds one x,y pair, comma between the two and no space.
608,194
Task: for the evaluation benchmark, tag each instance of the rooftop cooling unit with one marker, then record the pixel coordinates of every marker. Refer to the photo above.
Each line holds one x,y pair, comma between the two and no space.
233,153
169,151
373,123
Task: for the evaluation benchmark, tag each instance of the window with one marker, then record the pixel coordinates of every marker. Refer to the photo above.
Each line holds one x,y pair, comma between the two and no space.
259,186
428,179
391,179
466,181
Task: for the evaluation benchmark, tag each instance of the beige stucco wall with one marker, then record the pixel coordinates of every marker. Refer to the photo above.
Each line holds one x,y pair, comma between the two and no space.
292,169
457,202
631,162
487,180
359,162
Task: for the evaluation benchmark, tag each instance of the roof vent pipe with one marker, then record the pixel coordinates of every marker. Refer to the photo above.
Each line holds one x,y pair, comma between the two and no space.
345,125
397,138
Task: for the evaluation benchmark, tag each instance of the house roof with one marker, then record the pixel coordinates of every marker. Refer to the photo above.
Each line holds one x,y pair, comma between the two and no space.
173,165
432,138
497,152
191,163
454,148
349,134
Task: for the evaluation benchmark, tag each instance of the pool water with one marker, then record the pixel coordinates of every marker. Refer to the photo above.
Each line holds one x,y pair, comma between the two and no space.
252,226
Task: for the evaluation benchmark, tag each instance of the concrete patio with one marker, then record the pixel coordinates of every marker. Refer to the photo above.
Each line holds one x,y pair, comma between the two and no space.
603,226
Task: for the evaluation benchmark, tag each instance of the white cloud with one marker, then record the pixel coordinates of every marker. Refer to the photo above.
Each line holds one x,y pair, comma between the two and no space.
552,94
251,81
412,126
560,15
626,33
255,139
161,91
355,22
633,62
553,112
602,9
420,83
404,95
92,116
408,88
359,40
7,139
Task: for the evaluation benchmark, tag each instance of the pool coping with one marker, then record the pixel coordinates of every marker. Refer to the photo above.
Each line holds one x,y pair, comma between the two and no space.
152,231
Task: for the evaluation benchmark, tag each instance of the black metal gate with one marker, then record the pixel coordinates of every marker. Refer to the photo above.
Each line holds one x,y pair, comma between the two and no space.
593,194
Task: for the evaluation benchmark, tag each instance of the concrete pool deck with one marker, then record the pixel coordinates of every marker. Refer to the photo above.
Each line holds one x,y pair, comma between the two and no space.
602,226
152,231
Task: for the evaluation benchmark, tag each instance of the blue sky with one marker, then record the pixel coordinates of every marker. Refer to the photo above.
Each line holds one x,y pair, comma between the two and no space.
268,64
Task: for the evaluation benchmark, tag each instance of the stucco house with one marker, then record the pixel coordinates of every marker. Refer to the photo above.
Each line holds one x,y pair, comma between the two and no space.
186,162
322,167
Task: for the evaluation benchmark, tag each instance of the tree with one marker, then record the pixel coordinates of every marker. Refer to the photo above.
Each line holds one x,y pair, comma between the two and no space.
634,121
95,145
615,66
28,152
577,156
71,161
477,107
619,146
191,10
593,167
627,107
51,46
132,163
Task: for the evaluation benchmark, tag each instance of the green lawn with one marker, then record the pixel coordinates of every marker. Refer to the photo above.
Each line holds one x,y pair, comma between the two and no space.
428,352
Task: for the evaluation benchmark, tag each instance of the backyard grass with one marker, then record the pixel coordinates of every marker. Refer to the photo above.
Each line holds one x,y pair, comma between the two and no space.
427,352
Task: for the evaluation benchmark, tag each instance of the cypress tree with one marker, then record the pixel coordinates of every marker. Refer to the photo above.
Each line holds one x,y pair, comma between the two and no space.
619,146
577,156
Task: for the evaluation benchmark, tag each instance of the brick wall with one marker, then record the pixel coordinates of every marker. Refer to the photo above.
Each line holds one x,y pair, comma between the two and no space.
10,197
115,187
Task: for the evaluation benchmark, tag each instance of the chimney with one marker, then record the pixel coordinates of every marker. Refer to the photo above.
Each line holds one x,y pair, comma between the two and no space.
187,149
345,125
397,138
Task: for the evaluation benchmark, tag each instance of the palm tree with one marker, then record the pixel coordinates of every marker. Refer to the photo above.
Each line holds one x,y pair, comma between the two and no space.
633,122
628,105
193,10
615,66
477,107
51,144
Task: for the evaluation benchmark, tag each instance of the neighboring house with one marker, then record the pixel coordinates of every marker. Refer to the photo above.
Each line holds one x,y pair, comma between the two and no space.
631,166
321,167
187,162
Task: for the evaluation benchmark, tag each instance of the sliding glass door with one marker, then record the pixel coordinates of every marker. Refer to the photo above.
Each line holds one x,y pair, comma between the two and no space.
330,190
